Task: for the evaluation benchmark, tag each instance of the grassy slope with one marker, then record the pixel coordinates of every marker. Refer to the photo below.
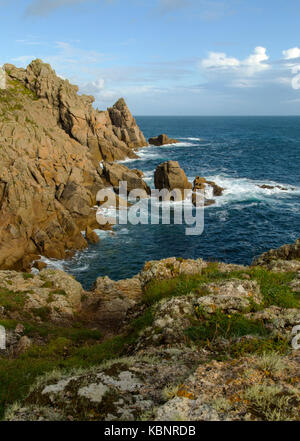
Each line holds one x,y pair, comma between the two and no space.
67,348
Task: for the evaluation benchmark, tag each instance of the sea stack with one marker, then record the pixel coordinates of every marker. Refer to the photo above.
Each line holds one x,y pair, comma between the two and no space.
169,175
162,140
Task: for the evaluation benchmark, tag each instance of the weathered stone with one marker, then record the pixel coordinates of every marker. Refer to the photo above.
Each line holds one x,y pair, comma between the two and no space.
200,188
171,267
170,176
162,140
114,173
91,236
286,252
22,346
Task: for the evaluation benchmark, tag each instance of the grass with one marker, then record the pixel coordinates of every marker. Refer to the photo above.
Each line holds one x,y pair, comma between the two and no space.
274,286
77,347
259,346
271,362
272,403
213,326
11,300
67,348
181,285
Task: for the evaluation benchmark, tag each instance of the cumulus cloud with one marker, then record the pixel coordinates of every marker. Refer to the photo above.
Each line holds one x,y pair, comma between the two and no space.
291,54
248,67
217,60
255,62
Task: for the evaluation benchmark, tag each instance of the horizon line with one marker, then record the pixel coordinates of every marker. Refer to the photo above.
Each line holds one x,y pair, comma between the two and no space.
218,116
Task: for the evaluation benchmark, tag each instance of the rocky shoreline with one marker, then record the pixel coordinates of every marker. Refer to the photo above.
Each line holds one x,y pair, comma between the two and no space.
52,140
182,340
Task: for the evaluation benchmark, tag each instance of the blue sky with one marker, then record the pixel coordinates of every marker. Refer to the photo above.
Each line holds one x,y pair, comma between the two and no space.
166,57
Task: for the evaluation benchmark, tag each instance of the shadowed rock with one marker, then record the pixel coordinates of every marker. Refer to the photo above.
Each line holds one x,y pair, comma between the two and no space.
162,140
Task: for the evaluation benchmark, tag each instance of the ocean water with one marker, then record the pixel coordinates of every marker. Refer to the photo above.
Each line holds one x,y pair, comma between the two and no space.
238,153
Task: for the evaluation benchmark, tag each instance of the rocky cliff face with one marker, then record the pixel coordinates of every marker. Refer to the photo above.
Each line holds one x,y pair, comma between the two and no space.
51,142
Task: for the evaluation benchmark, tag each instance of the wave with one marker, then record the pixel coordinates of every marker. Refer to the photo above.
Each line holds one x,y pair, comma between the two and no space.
53,263
192,139
243,190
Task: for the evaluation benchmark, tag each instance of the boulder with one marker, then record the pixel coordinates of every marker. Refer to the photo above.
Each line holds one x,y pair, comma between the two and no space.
170,176
40,265
50,294
162,140
201,185
109,302
114,173
91,236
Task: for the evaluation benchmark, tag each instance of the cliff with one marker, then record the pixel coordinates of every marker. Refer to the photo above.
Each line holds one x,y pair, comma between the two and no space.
52,140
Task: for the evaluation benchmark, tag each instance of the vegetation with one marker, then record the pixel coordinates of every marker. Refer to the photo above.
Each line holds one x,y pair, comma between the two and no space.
66,348
272,403
76,347
274,286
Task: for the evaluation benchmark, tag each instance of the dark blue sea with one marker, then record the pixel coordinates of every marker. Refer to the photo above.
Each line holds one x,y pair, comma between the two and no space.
238,153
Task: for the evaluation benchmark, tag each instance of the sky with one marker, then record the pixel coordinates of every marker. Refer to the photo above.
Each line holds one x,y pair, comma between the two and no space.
165,57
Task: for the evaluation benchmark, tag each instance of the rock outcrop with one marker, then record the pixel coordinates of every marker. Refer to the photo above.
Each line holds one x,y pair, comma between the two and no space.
162,140
286,252
51,294
51,141
114,173
202,186
170,176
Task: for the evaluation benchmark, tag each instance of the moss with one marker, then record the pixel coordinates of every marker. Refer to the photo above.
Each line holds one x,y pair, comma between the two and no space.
27,276
50,298
68,348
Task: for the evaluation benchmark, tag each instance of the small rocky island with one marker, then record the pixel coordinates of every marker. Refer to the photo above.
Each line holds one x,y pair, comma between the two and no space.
162,140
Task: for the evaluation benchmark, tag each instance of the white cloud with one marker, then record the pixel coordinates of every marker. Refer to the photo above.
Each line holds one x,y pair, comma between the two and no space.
292,53
255,62
252,64
219,60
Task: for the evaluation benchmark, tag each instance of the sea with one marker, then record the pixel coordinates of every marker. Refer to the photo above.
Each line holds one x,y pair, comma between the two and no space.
238,153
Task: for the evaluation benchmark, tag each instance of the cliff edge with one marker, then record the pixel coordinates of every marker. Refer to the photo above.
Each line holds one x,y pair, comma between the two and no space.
51,142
